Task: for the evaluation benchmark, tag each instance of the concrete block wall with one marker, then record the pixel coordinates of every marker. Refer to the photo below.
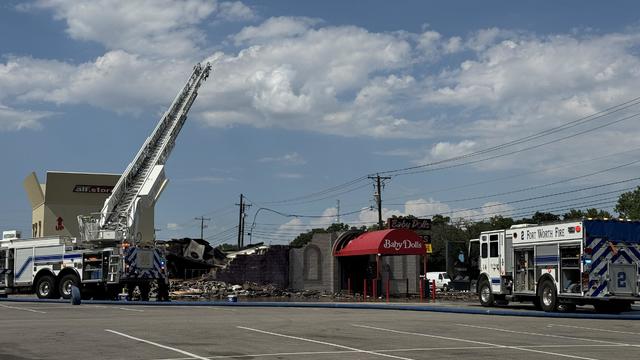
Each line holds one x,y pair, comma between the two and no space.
313,266
403,272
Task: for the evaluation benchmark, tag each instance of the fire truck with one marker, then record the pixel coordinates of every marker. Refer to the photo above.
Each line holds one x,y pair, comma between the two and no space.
111,253
558,266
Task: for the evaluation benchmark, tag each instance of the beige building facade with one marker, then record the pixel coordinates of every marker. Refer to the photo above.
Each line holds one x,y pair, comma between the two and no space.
64,196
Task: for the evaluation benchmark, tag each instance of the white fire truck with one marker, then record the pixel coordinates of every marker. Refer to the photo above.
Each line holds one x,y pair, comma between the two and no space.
588,262
111,251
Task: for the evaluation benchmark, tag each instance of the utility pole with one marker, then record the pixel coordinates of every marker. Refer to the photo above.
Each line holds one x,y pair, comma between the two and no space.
202,225
338,212
378,195
243,207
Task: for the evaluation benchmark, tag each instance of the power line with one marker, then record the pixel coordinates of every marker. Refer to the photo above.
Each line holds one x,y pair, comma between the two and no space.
571,124
319,193
537,186
519,150
520,174
221,232
540,197
409,170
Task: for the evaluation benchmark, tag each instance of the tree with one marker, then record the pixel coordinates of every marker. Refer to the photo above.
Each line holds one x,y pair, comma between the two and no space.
575,214
542,217
598,214
628,205
302,239
499,222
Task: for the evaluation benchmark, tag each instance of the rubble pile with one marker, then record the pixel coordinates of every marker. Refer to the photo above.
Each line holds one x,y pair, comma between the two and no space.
468,296
211,289
206,288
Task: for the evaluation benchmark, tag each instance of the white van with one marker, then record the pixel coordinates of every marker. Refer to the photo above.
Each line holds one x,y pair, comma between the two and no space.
441,278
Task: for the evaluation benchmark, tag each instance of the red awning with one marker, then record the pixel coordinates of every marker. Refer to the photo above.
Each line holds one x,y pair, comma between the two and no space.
384,242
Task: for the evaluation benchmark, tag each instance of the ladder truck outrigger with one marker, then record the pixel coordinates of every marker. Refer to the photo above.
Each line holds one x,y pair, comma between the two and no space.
112,252
558,266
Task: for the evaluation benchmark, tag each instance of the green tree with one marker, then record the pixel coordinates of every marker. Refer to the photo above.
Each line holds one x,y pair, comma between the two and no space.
628,205
499,222
541,217
575,214
598,214
302,239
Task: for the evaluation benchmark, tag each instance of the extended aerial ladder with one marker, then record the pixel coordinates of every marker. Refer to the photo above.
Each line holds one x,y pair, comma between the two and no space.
128,256
143,181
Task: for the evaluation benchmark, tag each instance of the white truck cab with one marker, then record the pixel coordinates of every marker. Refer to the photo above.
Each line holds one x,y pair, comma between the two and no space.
441,278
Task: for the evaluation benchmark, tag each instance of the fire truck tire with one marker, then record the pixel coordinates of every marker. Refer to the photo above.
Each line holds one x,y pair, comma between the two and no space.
536,303
548,296
65,285
76,297
485,294
145,288
45,287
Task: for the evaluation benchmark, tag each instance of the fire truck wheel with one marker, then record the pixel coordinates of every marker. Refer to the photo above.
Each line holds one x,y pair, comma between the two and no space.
46,287
536,303
145,288
486,297
67,281
548,296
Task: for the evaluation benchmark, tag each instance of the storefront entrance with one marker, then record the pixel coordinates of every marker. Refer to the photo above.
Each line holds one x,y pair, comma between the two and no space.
365,256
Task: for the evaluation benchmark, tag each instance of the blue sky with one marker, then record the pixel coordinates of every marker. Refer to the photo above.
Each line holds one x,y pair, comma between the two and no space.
307,96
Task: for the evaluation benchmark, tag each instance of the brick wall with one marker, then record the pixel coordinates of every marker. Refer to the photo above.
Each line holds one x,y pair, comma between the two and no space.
272,267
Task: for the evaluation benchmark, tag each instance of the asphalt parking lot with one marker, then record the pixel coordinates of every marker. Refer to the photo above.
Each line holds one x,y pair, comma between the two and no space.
121,331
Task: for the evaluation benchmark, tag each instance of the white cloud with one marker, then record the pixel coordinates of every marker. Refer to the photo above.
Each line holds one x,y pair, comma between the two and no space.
275,28
421,207
445,150
288,175
296,73
174,227
289,230
159,28
369,216
301,77
14,119
329,216
287,159
428,207
153,27
236,11
117,81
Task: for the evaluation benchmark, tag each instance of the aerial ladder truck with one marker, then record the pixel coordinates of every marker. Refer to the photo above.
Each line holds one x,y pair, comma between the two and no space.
112,252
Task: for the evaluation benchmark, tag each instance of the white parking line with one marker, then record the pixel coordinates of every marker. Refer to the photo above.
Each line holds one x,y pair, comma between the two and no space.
545,335
192,356
337,352
586,328
324,343
474,342
128,309
23,309
66,307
